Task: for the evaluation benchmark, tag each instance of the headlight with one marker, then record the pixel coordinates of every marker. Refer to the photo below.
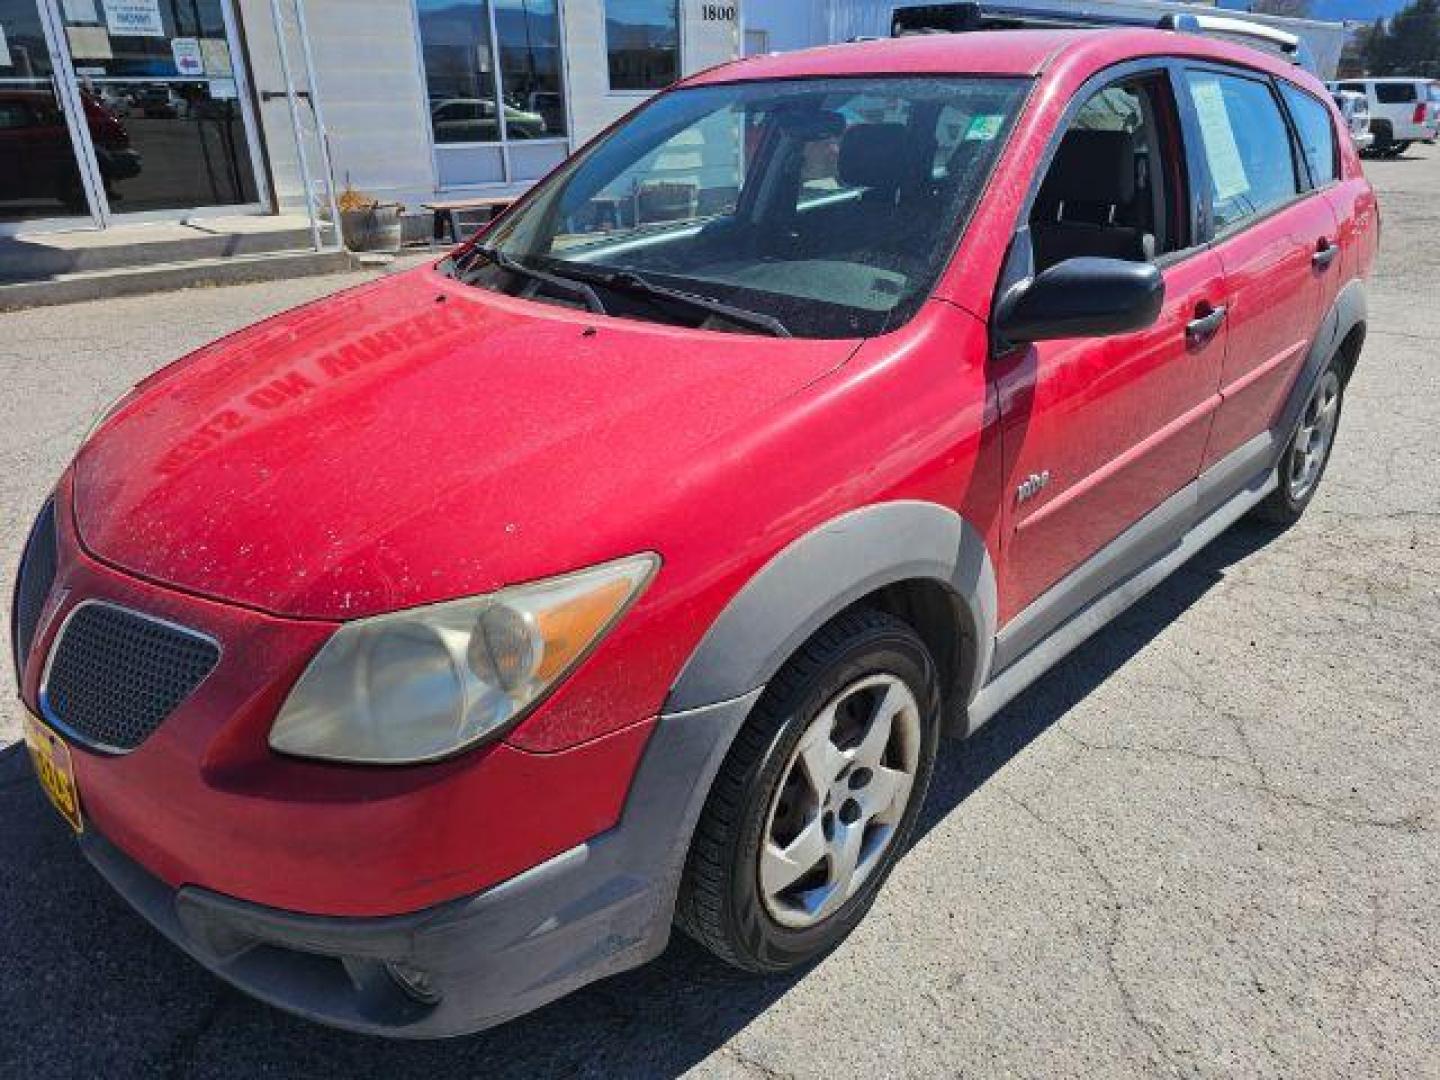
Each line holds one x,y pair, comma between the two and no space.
425,683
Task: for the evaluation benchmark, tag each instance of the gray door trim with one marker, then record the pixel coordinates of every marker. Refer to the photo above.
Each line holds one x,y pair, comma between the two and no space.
1114,567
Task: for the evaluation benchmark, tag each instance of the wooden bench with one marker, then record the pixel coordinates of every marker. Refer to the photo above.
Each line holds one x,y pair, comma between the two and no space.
448,211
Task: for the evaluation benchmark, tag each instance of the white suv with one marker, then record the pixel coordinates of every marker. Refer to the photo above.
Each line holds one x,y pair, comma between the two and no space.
1402,111
1355,108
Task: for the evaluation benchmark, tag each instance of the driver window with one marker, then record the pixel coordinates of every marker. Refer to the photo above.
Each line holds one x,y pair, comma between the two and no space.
1110,189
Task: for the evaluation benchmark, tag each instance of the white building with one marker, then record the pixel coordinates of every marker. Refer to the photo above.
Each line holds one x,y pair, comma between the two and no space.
114,112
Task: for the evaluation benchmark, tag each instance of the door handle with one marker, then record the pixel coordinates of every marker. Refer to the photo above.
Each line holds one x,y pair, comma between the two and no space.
1207,320
1325,252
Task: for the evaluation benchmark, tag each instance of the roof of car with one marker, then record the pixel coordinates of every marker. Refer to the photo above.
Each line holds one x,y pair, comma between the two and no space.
983,52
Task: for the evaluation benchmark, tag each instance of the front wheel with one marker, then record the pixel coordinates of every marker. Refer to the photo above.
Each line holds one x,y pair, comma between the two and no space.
1304,460
817,797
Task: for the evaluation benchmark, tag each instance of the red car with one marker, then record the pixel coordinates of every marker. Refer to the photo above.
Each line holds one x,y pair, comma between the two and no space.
417,656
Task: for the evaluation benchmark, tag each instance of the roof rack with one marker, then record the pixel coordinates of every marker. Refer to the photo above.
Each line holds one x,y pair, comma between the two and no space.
966,16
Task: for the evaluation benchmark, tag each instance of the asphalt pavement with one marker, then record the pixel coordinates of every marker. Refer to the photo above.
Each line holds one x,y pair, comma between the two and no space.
1206,845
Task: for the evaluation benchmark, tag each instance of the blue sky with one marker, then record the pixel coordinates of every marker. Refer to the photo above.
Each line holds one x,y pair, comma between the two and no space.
1336,10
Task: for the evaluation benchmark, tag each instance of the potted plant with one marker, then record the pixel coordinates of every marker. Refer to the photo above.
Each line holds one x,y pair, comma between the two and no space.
366,223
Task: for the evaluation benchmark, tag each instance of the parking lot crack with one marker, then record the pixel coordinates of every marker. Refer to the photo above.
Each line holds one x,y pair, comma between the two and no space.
1414,822
1116,908
1150,749
751,1065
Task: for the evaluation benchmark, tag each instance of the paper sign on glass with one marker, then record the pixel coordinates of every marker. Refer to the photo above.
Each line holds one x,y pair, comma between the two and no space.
81,11
5,60
215,55
89,43
224,89
1226,168
188,60
134,18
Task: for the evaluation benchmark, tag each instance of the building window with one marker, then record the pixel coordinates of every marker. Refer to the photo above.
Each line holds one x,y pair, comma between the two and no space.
465,44
530,80
642,40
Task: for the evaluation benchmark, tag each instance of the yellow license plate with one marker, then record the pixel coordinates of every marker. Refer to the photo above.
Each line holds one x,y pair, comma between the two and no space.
55,770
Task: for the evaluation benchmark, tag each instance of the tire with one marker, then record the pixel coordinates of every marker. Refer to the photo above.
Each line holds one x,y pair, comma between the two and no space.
1302,465
811,720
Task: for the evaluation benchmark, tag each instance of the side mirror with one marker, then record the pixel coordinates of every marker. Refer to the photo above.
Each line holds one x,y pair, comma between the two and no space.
1082,297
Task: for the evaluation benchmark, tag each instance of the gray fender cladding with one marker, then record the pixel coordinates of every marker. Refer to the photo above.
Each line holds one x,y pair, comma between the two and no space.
823,572
1347,312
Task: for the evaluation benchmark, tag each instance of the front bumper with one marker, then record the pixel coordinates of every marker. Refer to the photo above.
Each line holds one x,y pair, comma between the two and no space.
204,801
592,911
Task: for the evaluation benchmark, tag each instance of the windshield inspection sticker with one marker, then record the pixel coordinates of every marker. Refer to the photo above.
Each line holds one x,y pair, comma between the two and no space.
983,128
1216,132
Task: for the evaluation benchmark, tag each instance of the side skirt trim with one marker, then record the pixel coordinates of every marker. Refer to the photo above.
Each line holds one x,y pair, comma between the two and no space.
1211,504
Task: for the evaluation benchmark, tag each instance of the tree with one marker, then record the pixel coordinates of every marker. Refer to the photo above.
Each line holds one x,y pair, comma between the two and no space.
1408,45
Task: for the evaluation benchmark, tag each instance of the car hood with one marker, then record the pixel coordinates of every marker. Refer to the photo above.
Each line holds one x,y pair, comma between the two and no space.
414,440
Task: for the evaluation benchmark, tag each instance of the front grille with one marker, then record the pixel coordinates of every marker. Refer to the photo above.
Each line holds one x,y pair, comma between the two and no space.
115,675
32,588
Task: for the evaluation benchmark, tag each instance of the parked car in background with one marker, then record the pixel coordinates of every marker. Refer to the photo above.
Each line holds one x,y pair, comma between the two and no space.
417,656
1402,111
457,120
159,101
36,157
1355,108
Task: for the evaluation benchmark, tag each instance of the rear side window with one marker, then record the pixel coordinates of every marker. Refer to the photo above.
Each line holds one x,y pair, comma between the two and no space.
1246,146
1317,133
1395,93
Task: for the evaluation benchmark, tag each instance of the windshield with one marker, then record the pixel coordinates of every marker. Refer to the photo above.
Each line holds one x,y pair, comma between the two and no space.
814,208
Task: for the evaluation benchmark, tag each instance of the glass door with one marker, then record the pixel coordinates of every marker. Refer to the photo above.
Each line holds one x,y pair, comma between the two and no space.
163,93
42,181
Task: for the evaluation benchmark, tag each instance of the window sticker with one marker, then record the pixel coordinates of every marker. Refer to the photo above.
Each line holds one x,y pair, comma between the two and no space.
1227,171
134,18
89,43
215,56
186,53
984,127
81,11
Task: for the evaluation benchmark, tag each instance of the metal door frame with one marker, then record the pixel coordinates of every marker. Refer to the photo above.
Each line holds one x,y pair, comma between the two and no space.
67,98
67,88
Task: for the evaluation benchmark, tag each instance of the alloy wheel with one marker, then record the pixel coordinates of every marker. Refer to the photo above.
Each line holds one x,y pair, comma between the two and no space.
1314,437
844,793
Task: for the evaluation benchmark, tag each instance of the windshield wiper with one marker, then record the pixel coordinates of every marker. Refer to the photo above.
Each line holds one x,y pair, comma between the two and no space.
630,281
512,265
